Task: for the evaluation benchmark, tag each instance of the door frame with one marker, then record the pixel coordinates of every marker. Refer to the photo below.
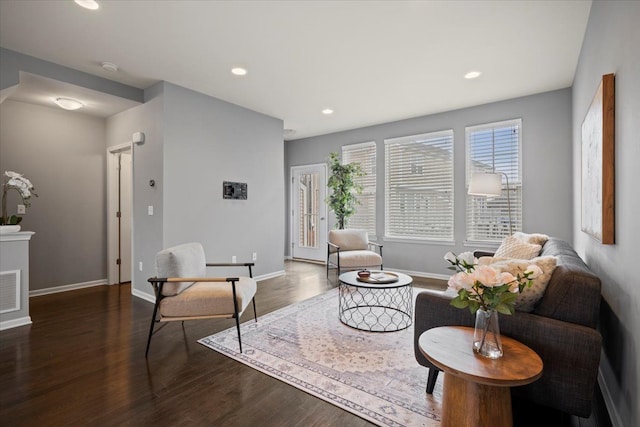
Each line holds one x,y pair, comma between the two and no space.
112,205
292,201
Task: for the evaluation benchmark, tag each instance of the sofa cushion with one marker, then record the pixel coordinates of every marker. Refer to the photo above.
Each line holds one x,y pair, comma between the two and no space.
350,259
209,299
534,238
529,296
512,247
186,260
350,239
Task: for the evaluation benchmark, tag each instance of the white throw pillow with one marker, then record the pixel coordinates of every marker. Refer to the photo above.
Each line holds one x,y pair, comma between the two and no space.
512,247
529,297
535,238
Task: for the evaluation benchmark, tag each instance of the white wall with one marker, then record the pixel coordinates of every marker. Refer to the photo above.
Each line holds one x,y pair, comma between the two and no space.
63,154
546,158
612,45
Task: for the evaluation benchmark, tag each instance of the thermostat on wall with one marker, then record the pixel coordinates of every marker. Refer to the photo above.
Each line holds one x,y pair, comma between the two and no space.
234,190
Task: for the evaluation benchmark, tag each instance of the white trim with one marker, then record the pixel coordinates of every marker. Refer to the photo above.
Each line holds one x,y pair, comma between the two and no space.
18,290
143,295
419,241
614,416
419,274
360,145
65,288
269,275
14,323
112,244
14,237
324,211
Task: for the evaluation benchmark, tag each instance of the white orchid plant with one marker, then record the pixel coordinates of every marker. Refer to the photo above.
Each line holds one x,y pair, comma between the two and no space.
484,287
15,181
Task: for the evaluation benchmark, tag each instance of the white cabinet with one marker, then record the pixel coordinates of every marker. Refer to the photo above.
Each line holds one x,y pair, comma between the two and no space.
14,279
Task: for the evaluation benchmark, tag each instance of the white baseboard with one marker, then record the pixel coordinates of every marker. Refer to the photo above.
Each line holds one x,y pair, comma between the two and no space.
14,323
421,274
143,295
269,276
65,288
616,421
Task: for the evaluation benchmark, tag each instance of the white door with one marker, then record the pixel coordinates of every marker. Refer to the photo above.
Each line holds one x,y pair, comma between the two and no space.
125,217
309,212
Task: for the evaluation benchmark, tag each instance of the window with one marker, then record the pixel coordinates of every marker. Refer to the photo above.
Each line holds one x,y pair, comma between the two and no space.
494,147
419,187
365,216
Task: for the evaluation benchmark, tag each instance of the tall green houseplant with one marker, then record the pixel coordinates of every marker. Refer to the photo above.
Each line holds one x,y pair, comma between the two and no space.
344,188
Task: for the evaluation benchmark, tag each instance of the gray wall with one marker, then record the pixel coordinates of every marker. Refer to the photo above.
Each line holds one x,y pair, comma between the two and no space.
147,164
208,141
193,143
547,201
63,154
611,45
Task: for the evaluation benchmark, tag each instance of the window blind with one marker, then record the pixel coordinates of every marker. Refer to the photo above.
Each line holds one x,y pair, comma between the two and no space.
365,155
419,186
494,147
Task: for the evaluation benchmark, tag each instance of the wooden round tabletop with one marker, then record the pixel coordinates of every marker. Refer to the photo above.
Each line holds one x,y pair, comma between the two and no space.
450,349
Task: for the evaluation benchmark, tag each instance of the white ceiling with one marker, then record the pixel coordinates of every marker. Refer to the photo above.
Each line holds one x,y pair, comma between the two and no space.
370,61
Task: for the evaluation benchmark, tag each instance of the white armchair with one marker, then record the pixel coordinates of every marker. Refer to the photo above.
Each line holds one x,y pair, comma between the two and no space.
184,291
351,249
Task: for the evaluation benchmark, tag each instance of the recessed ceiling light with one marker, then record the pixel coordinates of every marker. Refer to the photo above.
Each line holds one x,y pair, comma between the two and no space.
110,66
239,71
327,111
88,4
288,133
68,103
472,75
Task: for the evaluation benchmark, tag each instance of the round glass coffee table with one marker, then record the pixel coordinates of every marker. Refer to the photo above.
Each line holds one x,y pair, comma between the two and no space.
381,303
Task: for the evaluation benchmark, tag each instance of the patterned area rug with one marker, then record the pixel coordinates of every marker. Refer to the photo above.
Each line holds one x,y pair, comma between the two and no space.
371,374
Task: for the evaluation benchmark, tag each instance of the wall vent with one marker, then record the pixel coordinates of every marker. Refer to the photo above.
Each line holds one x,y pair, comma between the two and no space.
9,291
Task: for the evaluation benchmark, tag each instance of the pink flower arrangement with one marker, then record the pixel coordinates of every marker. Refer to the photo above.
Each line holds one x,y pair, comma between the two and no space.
485,287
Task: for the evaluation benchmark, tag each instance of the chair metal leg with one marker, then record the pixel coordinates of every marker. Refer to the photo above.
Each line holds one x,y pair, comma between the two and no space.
431,381
236,314
255,314
153,322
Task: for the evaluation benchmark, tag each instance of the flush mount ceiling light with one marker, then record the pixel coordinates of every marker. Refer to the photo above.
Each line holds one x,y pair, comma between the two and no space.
110,66
472,75
239,71
68,103
88,4
327,111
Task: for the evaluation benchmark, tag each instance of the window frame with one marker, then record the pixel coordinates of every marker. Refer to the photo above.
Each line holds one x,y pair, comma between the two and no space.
444,206
473,235
369,188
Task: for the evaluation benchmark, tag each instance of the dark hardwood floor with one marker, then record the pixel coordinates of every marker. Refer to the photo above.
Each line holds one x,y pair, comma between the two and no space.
82,362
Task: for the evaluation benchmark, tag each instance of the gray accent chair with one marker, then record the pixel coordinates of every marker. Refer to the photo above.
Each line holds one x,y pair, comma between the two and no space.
561,329
350,249
184,292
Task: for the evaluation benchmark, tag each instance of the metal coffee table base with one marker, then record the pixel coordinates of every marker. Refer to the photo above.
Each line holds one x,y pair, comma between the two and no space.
376,309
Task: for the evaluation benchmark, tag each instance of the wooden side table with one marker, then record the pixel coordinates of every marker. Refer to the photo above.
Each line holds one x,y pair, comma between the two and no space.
476,389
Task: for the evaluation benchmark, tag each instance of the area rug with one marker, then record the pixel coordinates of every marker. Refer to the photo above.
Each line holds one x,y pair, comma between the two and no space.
371,374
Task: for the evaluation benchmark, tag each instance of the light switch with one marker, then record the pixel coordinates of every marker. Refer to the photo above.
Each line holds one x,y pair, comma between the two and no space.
22,210
150,210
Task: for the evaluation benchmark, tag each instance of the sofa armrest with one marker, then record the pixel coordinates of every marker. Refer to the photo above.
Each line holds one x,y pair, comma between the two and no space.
570,352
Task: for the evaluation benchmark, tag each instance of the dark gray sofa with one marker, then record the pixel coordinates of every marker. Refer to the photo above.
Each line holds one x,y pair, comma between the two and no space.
561,329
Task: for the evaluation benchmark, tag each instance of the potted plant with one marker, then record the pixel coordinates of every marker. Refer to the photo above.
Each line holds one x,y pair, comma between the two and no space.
344,188
15,181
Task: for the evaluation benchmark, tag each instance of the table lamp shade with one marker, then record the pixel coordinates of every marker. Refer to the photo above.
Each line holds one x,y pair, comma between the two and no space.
485,184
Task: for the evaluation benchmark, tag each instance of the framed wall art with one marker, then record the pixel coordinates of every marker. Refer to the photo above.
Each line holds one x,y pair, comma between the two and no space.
598,183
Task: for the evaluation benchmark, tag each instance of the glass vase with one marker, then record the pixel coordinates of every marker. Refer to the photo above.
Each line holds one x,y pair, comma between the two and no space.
486,336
